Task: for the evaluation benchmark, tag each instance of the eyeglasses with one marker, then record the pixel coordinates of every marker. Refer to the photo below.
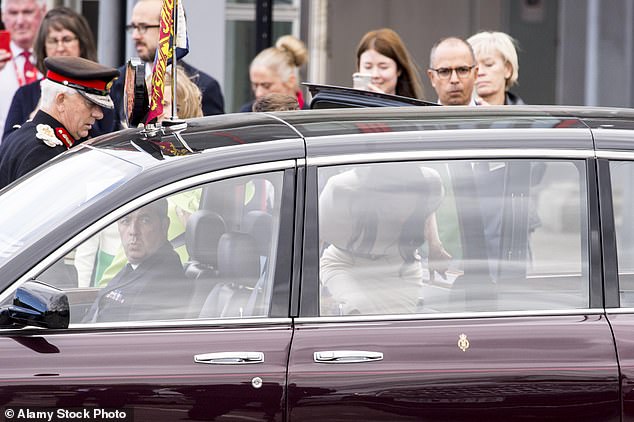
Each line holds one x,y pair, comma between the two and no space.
141,27
52,42
461,71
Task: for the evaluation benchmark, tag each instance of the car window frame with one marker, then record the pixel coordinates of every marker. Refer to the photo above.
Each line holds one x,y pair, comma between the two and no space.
288,167
310,276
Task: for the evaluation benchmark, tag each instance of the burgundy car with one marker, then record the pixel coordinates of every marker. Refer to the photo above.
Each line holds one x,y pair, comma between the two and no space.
411,263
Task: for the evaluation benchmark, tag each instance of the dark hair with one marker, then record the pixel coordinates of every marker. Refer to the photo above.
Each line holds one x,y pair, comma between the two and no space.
388,43
58,19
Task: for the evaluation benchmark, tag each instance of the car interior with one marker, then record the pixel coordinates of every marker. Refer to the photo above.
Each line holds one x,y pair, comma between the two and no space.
229,233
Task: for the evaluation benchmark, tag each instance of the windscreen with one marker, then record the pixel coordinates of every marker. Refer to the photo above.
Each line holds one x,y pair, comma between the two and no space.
53,194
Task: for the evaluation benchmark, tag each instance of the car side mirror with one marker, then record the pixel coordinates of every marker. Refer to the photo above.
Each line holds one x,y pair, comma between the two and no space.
37,304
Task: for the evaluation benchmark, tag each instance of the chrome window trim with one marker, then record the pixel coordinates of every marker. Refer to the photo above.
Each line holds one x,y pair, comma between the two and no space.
628,310
210,322
130,206
450,154
448,315
615,155
458,134
202,325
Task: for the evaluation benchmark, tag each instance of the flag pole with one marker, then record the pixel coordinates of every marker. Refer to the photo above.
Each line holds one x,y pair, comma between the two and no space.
173,47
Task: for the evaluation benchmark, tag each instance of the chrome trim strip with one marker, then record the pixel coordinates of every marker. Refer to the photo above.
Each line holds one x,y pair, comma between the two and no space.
492,134
448,315
619,310
449,154
130,206
615,155
200,324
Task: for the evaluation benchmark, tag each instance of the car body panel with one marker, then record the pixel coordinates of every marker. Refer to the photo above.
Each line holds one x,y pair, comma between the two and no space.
550,367
139,369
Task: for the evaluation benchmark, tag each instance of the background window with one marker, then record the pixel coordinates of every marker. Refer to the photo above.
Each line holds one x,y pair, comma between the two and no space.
240,44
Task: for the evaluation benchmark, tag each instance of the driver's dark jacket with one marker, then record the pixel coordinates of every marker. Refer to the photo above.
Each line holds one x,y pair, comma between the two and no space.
156,289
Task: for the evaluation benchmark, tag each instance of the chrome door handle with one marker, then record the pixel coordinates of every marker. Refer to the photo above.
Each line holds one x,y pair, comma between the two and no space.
346,356
230,358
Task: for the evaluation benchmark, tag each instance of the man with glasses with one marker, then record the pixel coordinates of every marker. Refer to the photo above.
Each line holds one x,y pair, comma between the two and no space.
453,70
73,94
144,28
22,19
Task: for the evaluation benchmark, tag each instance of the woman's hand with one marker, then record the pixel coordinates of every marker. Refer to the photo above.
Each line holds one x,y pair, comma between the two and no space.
374,88
438,260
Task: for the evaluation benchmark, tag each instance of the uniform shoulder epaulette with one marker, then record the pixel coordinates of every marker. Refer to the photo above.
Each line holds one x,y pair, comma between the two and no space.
54,137
47,135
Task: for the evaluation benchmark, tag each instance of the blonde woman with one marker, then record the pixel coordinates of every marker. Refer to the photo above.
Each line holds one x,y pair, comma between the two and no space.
498,67
276,70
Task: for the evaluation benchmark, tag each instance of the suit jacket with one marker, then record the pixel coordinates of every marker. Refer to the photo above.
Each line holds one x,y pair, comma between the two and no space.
27,97
212,100
156,289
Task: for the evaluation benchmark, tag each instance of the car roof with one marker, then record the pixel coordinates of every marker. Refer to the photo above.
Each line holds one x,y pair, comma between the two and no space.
208,133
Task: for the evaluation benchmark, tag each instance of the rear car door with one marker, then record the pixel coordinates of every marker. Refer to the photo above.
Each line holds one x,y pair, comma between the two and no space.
514,330
211,343
616,169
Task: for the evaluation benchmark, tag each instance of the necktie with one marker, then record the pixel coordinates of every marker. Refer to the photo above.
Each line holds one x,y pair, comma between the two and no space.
30,72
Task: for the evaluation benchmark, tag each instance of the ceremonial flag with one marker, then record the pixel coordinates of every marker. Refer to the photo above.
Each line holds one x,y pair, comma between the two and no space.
168,42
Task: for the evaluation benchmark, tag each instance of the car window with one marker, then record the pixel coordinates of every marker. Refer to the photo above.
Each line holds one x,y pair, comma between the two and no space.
23,220
622,173
454,236
206,252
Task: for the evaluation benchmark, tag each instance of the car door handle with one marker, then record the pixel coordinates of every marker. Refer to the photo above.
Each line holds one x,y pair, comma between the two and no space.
229,358
346,356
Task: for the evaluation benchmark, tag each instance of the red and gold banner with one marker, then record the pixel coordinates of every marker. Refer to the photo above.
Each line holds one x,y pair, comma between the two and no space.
163,53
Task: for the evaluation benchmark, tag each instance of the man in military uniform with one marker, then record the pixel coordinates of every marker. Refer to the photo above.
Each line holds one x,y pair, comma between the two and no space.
73,94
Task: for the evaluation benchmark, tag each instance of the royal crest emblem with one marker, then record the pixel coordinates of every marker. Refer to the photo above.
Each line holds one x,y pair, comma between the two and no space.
463,342
47,135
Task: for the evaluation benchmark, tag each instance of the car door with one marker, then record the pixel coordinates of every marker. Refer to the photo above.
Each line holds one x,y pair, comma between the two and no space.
515,328
211,342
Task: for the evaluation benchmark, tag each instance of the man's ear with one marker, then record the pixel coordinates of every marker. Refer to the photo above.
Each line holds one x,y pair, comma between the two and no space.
165,225
430,75
60,98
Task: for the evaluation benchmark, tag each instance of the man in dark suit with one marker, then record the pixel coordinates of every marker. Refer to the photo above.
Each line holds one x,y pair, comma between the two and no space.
145,34
152,284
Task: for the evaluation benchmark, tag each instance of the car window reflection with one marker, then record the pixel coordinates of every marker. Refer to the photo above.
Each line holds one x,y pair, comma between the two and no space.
516,233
